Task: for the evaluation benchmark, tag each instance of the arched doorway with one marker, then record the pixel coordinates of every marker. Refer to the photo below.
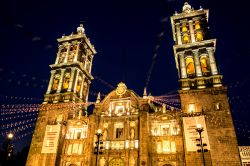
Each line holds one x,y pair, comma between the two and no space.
116,162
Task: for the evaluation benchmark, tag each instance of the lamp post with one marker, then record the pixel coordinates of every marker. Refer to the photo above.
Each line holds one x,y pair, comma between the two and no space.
98,134
200,129
8,146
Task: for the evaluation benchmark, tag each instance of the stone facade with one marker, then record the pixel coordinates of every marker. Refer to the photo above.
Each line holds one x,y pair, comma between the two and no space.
136,130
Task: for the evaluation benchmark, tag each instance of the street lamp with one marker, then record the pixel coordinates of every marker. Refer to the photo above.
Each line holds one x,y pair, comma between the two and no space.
8,148
98,134
200,129
10,136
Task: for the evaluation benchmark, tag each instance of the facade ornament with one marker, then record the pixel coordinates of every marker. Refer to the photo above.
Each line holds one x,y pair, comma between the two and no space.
187,8
121,89
80,29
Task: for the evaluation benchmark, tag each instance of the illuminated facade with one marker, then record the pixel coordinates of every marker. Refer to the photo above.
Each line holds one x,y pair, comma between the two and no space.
135,131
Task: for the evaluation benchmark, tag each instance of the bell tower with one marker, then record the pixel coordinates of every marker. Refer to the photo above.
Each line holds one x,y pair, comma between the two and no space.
62,110
71,74
194,49
203,96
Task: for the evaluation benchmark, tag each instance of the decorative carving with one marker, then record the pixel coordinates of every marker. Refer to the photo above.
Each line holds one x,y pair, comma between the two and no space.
121,89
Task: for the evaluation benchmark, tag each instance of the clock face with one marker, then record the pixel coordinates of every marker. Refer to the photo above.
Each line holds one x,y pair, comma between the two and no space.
116,162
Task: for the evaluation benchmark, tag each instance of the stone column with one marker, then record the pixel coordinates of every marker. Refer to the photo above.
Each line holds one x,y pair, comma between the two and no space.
212,61
61,81
72,74
67,54
76,80
58,54
77,52
83,78
51,81
197,63
182,65
86,60
90,65
178,34
191,30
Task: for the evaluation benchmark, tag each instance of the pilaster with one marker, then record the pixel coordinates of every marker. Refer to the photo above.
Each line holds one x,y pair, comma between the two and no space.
197,63
182,65
191,30
51,81
61,81
212,61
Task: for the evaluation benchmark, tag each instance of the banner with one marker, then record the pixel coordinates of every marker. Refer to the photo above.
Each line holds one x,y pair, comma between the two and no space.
51,137
190,124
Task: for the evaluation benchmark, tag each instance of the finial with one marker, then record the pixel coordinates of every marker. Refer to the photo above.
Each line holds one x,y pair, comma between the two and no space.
98,99
201,8
175,13
145,93
80,29
187,8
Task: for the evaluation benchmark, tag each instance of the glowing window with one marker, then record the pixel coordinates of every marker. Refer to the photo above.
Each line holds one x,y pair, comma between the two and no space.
107,144
166,147
80,148
56,82
199,36
191,108
75,148
158,147
119,109
66,81
185,38
184,27
190,66
204,64
69,149
173,147
197,25
165,129
118,130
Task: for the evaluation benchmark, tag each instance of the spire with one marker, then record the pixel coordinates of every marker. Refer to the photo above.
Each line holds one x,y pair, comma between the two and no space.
98,99
80,29
145,93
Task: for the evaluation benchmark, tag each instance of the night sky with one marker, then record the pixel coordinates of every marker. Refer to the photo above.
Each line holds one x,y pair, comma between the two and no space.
126,35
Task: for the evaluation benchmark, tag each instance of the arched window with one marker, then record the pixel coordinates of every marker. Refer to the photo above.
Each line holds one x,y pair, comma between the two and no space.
66,81
78,85
199,36
190,66
197,25
185,38
204,65
184,27
56,82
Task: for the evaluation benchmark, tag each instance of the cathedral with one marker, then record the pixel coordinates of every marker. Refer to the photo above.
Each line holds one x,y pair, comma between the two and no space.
126,129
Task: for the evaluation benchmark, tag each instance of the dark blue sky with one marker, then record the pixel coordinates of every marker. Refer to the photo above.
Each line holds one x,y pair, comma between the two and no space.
125,34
